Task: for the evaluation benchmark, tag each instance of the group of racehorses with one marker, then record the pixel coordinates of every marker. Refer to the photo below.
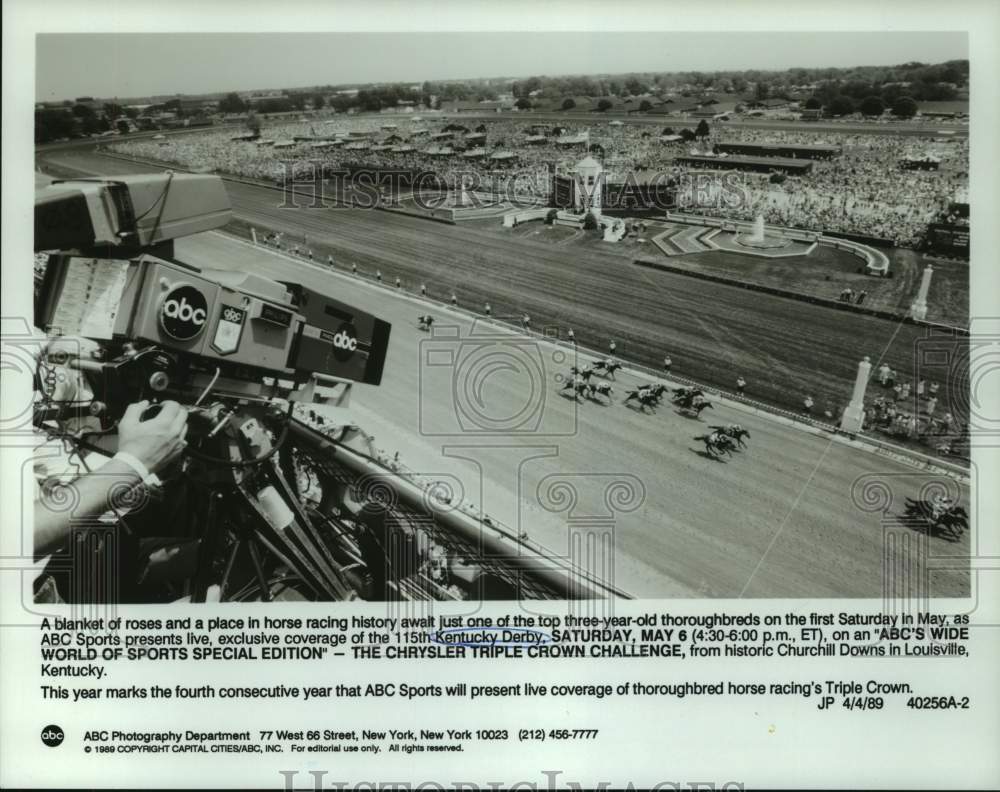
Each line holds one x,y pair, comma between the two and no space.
580,382
722,440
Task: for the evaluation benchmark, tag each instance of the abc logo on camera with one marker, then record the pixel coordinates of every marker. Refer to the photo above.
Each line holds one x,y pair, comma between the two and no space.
53,736
183,313
345,341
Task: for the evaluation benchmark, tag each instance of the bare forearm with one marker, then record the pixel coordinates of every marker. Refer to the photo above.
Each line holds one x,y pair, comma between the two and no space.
88,496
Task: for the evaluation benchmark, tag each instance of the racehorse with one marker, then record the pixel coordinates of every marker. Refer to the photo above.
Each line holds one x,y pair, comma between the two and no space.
607,367
698,406
599,389
425,322
734,431
685,396
586,372
644,396
951,520
717,444
579,386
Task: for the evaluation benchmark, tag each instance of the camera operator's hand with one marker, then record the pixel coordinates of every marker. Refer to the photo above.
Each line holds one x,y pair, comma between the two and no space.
157,441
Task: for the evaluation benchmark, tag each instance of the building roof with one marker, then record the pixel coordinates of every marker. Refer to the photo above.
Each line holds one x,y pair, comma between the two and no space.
589,163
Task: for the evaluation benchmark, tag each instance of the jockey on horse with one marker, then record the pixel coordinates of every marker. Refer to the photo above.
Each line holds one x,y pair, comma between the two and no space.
599,389
717,443
685,396
643,395
608,367
586,372
578,385
657,391
941,514
424,322
734,431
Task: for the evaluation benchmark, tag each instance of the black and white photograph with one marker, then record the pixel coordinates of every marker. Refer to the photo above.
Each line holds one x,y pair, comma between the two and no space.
500,396
608,334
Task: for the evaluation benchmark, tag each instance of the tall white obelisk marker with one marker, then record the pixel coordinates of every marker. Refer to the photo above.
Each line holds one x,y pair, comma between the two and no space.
918,310
854,414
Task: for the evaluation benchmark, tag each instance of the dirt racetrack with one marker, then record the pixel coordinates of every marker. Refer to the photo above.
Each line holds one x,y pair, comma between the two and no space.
785,349
794,515
788,517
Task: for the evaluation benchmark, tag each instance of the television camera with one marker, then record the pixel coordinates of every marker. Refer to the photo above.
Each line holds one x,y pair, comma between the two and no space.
272,499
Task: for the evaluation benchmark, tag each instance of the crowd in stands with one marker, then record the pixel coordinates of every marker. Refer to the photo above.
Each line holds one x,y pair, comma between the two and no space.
863,191
906,412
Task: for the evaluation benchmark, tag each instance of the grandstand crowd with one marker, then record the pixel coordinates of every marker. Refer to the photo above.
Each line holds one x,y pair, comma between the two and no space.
863,191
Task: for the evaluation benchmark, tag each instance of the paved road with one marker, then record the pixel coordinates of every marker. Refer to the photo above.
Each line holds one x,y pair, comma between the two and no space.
777,520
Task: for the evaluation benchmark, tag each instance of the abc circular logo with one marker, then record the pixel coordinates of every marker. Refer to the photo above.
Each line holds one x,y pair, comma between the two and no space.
183,313
345,341
53,736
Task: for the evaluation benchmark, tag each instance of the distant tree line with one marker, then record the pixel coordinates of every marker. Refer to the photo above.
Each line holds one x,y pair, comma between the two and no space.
79,119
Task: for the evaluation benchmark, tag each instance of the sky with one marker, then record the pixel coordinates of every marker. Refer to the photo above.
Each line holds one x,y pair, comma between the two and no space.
141,64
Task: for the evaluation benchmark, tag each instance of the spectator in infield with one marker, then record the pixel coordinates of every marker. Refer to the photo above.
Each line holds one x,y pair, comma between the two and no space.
329,260
807,405
572,336
667,363
454,299
740,385
527,322
861,297
612,347
883,374
488,309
